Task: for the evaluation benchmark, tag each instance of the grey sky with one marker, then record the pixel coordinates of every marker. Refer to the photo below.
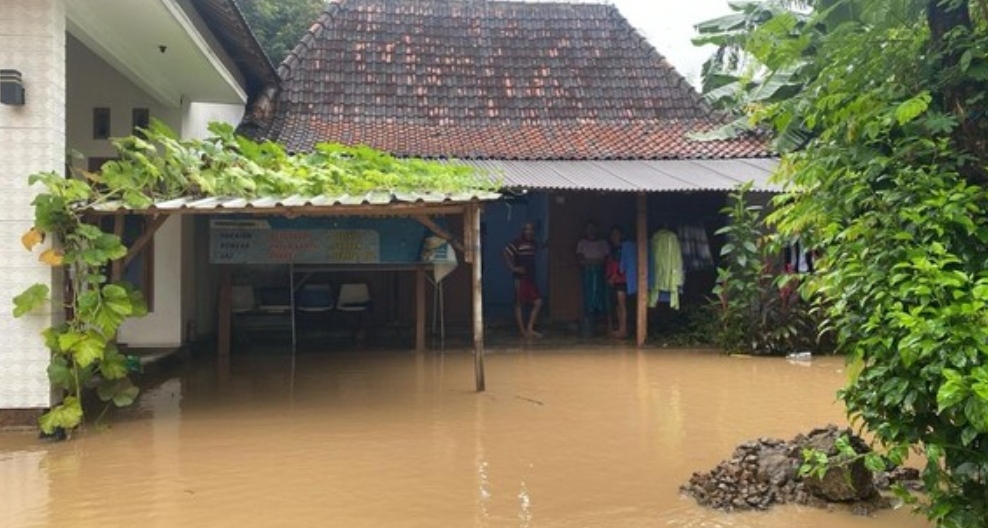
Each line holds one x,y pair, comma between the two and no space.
668,25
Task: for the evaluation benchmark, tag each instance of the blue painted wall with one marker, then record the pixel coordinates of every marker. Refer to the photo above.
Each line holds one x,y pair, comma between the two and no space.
502,222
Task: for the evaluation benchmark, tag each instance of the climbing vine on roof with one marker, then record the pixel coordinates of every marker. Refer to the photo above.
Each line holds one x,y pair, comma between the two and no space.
154,166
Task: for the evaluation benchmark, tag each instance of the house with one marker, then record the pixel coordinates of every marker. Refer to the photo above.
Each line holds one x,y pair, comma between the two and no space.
566,102
77,73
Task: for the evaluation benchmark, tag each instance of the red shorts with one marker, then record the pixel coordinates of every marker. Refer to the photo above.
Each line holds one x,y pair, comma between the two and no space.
526,291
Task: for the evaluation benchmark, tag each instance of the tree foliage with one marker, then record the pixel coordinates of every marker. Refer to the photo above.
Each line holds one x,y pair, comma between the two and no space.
280,24
158,166
889,182
757,303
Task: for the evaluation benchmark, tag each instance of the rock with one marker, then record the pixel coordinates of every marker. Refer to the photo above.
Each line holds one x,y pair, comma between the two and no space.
842,483
777,468
847,479
765,472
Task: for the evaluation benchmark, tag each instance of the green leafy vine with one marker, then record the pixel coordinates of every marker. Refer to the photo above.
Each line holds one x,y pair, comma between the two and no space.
156,166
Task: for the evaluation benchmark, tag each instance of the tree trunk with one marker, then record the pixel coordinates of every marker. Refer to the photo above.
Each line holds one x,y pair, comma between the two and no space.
945,19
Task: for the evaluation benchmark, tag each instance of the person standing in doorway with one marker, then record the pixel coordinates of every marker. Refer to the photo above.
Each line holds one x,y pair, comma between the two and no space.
617,277
591,251
519,255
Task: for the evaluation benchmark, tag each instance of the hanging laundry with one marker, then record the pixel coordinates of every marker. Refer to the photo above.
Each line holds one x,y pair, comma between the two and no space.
667,268
696,247
797,258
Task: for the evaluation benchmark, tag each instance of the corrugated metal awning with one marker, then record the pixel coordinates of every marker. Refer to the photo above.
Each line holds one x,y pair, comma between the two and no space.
381,200
633,175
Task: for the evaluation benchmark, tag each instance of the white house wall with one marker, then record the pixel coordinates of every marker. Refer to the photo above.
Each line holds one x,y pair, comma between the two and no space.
95,84
32,139
200,287
163,326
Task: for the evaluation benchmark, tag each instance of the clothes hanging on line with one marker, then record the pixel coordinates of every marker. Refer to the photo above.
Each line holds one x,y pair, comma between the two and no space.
797,258
666,264
696,247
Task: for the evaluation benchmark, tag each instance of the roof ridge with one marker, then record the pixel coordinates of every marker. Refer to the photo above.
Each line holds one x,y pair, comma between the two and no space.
489,78
294,56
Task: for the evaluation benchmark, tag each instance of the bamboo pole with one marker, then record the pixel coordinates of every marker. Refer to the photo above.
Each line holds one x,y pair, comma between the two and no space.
641,328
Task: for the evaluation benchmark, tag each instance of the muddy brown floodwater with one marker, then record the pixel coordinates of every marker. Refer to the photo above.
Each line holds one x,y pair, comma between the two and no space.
568,438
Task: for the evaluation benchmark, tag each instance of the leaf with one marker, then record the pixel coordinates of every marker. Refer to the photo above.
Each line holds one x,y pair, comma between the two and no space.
966,58
52,257
874,463
66,415
113,365
912,108
85,348
32,238
60,375
31,299
115,298
950,394
121,391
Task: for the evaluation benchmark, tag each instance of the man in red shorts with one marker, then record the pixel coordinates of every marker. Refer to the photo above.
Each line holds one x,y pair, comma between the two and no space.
520,258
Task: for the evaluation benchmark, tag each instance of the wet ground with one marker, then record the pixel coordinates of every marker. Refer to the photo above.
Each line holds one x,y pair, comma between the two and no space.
599,437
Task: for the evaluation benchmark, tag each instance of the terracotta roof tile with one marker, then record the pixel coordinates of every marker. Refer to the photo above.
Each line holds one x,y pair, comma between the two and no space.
494,79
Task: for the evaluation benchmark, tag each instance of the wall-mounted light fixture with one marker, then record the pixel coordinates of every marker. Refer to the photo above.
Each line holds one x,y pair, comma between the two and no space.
11,88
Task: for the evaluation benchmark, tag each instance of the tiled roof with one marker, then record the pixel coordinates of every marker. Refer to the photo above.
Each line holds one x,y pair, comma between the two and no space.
489,80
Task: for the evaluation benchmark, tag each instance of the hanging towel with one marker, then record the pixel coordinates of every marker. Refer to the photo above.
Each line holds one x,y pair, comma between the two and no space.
667,268
628,264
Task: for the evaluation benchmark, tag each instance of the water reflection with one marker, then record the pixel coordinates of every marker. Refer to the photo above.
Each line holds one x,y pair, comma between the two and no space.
561,438
24,486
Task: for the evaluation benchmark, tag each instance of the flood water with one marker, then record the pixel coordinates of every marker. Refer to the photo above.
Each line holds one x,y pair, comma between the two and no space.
566,438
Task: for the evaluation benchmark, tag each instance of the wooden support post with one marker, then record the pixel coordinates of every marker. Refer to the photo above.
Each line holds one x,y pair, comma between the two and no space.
641,328
478,297
420,309
225,311
468,238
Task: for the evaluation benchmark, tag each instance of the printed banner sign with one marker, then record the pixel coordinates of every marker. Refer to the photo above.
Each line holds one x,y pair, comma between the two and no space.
315,241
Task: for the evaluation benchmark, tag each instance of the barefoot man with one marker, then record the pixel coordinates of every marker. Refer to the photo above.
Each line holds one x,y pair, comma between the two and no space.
519,255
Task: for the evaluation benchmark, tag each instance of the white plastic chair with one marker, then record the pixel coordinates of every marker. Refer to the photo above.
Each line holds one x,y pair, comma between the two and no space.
242,299
354,297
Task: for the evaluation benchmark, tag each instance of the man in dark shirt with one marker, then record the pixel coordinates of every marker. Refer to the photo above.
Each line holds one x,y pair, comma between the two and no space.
519,255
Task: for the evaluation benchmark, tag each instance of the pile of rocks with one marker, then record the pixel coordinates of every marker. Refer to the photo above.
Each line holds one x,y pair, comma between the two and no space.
766,472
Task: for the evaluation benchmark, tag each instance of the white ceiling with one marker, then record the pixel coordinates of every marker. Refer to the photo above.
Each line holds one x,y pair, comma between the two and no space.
129,34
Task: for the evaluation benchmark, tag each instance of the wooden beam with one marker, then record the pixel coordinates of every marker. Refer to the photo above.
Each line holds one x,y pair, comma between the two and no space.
117,267
468,235
440,232
641,328
148,235
478,299
420,309
225,311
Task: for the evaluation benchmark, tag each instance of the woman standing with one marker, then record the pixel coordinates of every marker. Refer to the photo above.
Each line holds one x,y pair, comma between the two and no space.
617,277
591,252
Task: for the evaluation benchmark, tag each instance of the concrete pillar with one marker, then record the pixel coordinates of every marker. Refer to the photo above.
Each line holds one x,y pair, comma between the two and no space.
32,139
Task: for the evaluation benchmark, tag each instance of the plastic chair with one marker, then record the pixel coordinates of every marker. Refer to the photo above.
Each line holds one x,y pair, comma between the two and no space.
275,300
314,298
242,299
354,297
